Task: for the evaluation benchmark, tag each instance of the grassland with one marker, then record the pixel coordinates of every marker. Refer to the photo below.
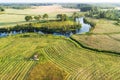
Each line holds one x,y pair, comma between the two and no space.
104,36
104,26
100,42
62,55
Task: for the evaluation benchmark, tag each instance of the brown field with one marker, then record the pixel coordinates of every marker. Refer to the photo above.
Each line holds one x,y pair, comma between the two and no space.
115,36
43,9
46,71
53,9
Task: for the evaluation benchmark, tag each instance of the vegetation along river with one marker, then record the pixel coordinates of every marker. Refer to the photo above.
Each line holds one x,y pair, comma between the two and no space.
84,28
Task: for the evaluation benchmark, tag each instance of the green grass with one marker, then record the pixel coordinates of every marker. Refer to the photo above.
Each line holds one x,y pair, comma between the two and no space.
65,54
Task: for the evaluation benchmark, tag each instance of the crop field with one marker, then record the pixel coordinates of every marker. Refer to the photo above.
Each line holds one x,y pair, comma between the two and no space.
66,60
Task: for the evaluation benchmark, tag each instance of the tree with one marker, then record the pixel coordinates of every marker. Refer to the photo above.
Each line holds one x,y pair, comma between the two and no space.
45,16
75,15
59,16
2,9
28,18
62,17
37,17
86,8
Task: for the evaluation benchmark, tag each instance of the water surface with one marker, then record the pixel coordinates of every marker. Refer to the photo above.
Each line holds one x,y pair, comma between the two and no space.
84,28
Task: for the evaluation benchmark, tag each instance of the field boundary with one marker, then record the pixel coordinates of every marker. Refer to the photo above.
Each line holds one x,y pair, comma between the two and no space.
93,49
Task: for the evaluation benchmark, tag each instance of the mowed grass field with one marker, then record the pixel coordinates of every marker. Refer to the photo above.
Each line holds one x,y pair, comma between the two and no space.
60,58
16,16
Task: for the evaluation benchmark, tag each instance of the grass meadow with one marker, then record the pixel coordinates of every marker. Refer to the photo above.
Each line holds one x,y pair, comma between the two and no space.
64,58
60,57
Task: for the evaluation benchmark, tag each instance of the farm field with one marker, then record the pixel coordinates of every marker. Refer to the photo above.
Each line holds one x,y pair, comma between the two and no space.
15,16
66,59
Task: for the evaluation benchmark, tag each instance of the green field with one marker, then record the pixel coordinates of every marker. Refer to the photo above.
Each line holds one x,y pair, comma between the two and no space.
63,56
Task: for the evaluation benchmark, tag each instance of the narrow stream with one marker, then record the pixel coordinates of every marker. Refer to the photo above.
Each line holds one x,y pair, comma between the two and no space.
85,28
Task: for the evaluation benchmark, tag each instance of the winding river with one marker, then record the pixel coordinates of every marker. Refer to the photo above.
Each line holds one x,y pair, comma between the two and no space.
85,28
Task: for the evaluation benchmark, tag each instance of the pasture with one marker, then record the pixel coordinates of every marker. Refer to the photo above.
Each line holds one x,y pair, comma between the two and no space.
63,56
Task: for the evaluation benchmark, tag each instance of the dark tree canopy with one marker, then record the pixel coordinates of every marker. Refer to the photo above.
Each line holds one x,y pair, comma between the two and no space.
2,9
28,18
109,14
45,16
62,17
37,17
75,15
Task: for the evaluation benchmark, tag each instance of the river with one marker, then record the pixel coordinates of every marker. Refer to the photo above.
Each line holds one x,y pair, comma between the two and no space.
85,28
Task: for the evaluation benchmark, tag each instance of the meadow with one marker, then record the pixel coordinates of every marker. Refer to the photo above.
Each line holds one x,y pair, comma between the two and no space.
64,58
104,26
87,56
105,36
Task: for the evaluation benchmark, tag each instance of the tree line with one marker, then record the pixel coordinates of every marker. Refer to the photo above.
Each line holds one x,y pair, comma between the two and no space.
107,14
60,17
62,24
38,17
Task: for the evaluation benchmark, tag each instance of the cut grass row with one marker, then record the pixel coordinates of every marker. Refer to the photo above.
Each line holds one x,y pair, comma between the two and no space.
90,65
16,52
67,55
